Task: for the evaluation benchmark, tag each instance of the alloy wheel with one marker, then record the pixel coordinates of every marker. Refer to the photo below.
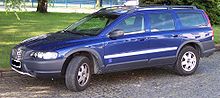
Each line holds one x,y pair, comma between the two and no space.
83,74
188,61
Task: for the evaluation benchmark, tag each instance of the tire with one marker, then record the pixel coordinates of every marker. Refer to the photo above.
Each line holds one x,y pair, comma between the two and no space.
78,74
187,61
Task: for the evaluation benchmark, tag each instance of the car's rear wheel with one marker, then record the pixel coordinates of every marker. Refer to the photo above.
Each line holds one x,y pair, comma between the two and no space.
187,61
78,73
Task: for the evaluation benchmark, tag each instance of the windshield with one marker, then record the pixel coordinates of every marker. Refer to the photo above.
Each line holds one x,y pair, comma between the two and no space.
91,25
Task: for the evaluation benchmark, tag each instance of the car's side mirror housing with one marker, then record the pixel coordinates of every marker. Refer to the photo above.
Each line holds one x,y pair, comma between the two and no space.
116,33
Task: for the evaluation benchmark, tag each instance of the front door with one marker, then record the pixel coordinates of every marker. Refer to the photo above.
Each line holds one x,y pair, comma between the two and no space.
130,47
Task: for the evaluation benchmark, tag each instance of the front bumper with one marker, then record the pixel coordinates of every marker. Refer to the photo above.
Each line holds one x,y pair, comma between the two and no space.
33,68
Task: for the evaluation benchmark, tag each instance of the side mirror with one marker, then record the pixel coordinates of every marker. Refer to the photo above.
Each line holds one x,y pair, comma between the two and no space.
116,33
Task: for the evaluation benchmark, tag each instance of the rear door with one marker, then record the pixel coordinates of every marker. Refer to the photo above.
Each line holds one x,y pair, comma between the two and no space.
163,37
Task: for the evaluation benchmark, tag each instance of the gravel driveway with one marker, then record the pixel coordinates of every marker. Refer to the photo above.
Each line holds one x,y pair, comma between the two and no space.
144,83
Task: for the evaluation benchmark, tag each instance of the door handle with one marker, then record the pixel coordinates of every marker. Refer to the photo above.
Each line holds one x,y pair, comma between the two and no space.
175,35
152,37
141,39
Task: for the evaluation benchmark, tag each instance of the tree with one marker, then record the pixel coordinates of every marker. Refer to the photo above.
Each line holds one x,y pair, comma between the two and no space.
42,6
98,3
14,5
212,7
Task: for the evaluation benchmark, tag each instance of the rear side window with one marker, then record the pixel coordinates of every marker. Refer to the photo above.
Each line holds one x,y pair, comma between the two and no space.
190,20
161,22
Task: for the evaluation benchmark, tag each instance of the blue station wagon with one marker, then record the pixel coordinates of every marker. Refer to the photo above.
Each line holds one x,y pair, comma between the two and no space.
117,39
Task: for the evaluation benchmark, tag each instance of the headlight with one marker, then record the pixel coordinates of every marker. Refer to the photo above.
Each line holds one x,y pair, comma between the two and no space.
44,55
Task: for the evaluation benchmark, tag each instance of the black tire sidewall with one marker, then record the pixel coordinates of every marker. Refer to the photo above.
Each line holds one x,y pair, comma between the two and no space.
72,72
178,66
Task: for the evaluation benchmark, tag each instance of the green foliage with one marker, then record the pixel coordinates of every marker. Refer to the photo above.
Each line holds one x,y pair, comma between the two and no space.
212,7
14,5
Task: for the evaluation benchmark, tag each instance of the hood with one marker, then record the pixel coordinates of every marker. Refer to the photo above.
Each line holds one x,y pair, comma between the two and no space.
50,41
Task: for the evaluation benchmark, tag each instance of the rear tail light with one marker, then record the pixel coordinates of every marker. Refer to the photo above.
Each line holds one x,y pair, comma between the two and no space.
209,24
213,34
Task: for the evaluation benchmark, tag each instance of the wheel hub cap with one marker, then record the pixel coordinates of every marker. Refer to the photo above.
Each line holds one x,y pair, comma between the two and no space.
188,61
83,74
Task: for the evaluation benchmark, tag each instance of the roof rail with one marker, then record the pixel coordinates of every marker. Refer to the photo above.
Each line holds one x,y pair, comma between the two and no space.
119,9
173,7
131,9
106,8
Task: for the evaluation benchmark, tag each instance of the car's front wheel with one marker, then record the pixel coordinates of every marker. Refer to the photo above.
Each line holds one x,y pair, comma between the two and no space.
78,73
187,61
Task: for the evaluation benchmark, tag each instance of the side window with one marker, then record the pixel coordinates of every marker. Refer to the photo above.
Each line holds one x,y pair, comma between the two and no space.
130,20
161,22
131,24
192,19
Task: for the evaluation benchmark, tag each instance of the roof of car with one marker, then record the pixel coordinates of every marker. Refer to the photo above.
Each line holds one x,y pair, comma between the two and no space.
117,10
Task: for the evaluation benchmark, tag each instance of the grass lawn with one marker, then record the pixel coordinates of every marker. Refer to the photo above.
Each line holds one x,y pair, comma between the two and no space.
13,31
217,33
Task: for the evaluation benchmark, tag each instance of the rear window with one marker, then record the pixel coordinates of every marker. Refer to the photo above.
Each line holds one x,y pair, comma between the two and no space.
190,20
161,22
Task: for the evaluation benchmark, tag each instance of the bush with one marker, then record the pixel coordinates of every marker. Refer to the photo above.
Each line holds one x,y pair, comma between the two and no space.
212,7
